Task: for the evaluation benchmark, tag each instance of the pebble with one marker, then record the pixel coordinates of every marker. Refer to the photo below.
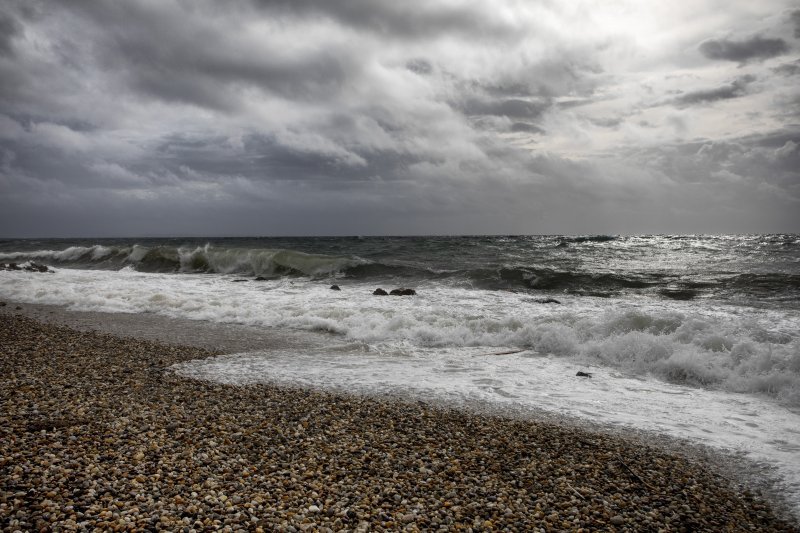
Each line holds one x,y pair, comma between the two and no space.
97,433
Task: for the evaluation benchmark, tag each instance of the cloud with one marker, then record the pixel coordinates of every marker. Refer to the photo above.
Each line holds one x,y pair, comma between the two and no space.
427,117
524,127
9,29
788,69
420,66
736,89
514,108
757,47
411,20
795,18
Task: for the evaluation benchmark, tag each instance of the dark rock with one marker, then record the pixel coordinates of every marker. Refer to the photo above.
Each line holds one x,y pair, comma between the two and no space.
380,292
30,267
583,374
403,292
260,278
18,308
548,301
238,280
335,288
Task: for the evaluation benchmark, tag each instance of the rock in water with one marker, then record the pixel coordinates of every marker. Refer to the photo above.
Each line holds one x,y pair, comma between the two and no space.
403,292
335,288
380,292
583,374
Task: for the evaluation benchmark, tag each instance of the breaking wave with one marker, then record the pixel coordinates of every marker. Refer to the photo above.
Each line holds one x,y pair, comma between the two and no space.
738,356
165,259
72,256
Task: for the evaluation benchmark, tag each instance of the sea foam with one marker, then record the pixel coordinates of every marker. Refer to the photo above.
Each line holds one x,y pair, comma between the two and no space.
697,344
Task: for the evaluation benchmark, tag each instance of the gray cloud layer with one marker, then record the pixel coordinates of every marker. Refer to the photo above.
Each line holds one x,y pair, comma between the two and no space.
795,16
735,89
354,116
753,48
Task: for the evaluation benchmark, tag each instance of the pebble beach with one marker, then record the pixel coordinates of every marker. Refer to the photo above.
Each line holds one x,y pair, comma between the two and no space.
97,432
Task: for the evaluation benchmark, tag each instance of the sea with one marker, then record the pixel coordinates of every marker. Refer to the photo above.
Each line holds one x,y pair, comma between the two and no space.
693,337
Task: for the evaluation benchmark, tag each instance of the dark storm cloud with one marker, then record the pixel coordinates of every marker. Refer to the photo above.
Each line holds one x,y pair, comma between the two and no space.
788,69
420,66
335,116
755,160
524,127
174,68
9,29
743,51
511,89
736,89
513,108
795,18
412,19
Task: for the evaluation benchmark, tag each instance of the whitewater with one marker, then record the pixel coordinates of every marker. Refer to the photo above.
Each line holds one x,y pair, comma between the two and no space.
696,338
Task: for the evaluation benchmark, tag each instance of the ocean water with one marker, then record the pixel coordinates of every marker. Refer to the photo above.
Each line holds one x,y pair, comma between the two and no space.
695,337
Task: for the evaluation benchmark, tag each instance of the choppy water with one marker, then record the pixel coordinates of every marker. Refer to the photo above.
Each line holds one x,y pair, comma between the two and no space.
692,336
748,269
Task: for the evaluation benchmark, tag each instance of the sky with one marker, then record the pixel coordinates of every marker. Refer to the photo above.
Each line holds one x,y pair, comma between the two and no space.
366,117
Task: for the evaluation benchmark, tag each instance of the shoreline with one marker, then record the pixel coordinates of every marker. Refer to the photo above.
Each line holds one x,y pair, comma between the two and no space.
138,441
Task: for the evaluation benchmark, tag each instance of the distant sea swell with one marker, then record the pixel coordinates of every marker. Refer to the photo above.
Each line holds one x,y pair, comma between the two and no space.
581,265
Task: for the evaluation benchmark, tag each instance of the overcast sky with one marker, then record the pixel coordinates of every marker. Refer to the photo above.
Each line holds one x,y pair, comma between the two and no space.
361,117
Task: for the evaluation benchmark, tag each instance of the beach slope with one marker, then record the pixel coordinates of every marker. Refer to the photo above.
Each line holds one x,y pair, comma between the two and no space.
97,432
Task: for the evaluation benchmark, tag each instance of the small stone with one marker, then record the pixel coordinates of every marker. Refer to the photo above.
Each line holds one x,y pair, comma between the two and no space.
617,520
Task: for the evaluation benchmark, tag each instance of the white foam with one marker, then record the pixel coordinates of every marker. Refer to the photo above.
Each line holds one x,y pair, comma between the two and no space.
701,344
